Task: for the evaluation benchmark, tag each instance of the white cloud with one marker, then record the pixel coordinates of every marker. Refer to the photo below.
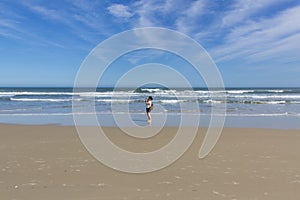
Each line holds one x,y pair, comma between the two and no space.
120,10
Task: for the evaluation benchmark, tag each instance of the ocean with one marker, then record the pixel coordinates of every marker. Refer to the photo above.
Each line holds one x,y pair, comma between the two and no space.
245,107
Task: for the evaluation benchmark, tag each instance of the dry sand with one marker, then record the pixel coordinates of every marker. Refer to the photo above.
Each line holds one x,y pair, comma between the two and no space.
49,162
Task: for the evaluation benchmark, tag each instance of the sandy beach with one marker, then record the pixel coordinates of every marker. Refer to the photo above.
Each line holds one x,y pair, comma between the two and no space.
49,162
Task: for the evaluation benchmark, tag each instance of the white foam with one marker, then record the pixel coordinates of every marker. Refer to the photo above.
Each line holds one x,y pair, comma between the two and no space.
267,96
115,100
275,102
46,100
278,91
213,101
239,91
35,93
171,101
151,90
107,94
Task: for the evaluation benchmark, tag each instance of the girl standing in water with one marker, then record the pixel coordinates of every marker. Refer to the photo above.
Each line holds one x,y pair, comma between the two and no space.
149,106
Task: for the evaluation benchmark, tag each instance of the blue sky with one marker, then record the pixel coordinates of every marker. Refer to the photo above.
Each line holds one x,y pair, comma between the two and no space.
253,42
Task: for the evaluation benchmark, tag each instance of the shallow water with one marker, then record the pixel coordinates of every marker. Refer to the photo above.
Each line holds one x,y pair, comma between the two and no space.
242,107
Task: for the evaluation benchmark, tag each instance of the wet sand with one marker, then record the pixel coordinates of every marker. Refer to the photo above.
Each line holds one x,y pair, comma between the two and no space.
49,162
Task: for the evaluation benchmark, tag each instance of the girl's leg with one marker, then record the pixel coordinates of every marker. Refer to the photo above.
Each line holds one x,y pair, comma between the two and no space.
149,116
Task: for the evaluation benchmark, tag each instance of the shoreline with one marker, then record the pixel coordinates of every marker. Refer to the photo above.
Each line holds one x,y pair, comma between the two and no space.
50,162
108,120
148,126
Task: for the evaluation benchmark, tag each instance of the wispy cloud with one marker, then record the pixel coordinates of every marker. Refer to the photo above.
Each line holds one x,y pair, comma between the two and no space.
244,30
241,30
146,13
8,34
176,14
263,39
241,11
187,21
48,13
89,13
10,23
80,18
14,29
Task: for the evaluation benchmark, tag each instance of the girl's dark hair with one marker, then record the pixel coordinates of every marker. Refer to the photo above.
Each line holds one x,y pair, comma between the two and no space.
150,97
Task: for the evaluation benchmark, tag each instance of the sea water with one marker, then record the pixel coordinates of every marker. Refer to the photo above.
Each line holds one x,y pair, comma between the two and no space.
244,107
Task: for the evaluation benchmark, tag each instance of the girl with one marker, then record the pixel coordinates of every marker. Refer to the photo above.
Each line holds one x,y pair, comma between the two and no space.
149,104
